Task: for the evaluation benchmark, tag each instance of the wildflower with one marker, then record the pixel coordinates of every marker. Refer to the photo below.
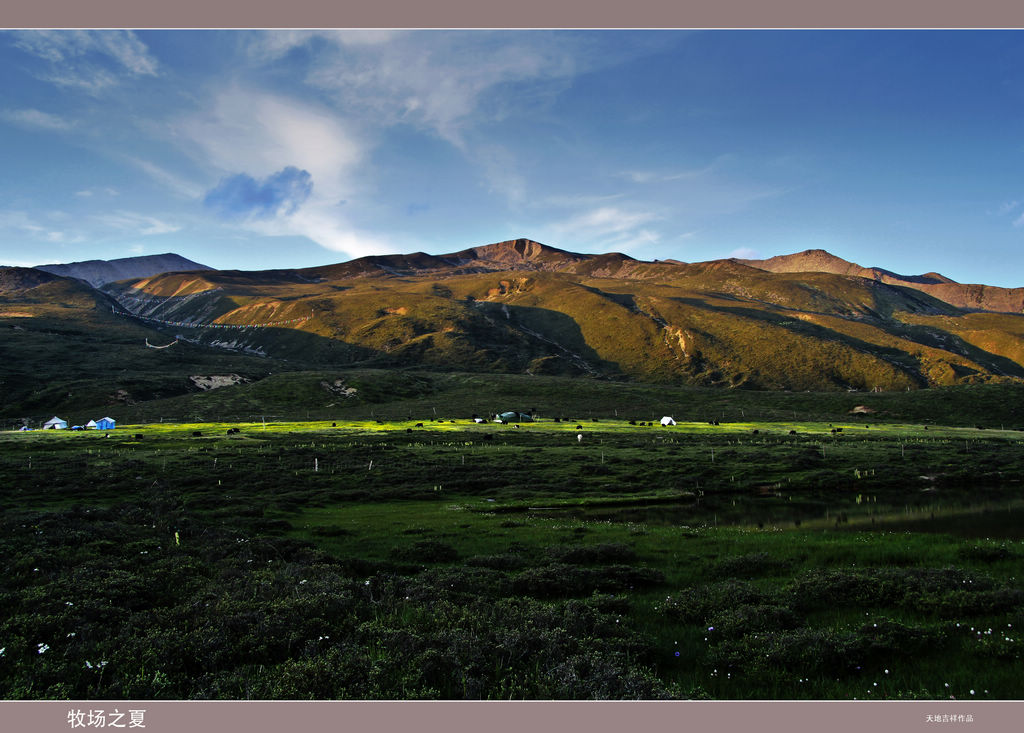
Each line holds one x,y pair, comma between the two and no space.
88,664
677,654
972,692
2,650
301,582
887,671
43,647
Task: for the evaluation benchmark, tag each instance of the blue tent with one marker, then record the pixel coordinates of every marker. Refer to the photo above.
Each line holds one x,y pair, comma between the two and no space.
106,423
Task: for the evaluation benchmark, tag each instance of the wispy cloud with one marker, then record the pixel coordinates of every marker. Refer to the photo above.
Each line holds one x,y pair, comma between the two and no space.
140,224
36,119
652,176
609,227
91,61
90,192
746,253
21,223
164,177
442,81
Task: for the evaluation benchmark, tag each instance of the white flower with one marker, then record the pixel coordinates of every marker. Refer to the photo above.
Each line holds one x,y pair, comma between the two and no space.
2,650
43,647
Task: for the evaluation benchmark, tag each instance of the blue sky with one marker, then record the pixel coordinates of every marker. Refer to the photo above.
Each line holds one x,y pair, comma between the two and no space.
263,149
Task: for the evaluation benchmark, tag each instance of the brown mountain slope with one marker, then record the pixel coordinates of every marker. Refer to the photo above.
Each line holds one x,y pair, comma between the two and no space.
519,306
968,297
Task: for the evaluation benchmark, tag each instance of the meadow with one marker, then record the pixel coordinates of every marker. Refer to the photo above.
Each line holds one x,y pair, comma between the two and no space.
436,557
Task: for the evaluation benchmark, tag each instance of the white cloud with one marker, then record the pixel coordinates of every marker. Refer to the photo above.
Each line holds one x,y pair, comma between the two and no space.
6,261
270,46
607,220
88,60
259,134
326,229
746,253
34,118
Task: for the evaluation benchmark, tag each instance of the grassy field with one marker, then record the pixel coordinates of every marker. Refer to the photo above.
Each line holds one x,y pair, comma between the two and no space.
762,558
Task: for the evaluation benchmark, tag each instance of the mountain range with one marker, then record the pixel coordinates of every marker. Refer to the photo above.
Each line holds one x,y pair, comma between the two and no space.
807,321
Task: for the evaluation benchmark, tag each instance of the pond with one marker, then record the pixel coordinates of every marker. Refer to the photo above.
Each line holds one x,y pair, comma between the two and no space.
994,519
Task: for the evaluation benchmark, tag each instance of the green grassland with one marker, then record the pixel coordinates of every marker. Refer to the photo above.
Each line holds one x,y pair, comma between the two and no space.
365,556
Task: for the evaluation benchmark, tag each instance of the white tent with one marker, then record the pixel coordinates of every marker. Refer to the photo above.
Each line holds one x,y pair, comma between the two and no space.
91,424
55,423
667,421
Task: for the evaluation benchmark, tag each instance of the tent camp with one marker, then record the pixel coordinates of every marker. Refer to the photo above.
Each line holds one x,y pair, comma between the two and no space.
55,423
667,421
106,423
514,417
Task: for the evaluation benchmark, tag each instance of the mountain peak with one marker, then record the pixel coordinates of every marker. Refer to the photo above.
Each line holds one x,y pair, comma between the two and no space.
100,272
518,250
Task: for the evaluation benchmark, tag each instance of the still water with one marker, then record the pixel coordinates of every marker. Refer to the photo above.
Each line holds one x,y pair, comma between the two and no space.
1002,519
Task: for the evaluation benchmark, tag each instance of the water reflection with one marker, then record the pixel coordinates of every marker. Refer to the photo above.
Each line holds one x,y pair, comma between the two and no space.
993,519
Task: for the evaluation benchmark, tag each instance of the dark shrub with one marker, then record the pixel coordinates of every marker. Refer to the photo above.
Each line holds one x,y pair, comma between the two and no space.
799,652
508,561
980,553
603,554
754,565
697,604
426,551
748,619
883,639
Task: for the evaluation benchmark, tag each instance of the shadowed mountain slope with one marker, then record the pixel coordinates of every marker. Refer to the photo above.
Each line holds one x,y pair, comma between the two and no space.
101,272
